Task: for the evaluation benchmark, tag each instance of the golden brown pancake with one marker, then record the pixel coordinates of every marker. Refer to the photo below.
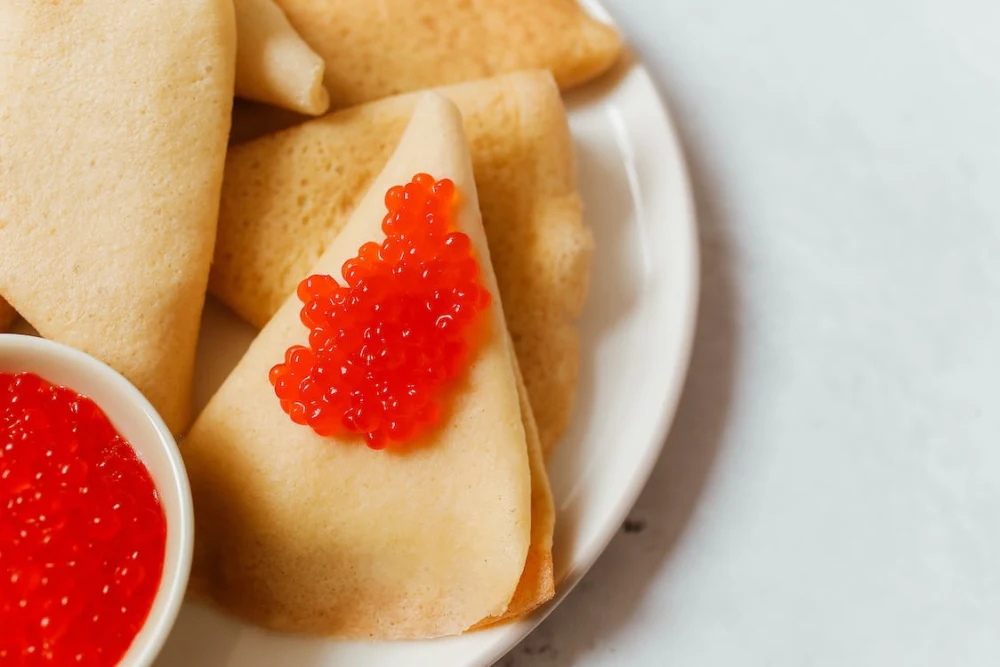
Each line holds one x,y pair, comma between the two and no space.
112,142
379,48
273,64
303,533
286,196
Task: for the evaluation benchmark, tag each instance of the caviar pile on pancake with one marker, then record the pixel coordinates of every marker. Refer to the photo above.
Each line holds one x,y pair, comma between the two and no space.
396,212
384,345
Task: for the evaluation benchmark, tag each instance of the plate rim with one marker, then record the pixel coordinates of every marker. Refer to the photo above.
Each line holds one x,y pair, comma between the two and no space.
636,70
676,307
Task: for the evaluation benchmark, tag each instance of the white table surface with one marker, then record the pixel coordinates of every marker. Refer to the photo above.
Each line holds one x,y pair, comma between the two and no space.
830,492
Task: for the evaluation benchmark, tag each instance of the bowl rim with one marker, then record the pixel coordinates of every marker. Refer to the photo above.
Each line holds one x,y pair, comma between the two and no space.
157,625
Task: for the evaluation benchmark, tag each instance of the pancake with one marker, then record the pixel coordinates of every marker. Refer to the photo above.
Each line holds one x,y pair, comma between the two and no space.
286,196
377,49
113,137
307,534
273,64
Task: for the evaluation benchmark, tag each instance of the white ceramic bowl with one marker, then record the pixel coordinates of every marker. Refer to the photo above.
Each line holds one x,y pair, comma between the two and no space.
137,421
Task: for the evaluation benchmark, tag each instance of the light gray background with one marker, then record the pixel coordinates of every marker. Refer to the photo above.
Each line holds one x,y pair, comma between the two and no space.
830,493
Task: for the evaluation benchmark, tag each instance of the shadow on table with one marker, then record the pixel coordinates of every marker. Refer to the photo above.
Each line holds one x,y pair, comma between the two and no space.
614,588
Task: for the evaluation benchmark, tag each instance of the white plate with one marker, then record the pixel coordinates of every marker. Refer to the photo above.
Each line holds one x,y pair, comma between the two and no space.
637,331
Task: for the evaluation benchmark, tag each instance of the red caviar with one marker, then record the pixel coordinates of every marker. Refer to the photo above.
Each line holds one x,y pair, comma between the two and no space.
384,346
82,531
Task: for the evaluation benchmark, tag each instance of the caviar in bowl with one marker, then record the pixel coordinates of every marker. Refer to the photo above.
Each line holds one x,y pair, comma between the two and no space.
96,527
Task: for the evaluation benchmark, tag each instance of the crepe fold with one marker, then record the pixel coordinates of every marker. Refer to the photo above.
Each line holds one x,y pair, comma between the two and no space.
376,49
318,535
114,120
273,64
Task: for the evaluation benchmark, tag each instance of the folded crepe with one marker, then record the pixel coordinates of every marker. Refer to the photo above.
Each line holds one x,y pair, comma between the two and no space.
376,49
114,119
273,64
303,533
286,196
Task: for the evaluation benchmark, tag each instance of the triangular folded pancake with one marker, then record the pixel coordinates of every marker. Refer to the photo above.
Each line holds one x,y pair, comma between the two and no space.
376,49
322,535
273,64
113,126
286,196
